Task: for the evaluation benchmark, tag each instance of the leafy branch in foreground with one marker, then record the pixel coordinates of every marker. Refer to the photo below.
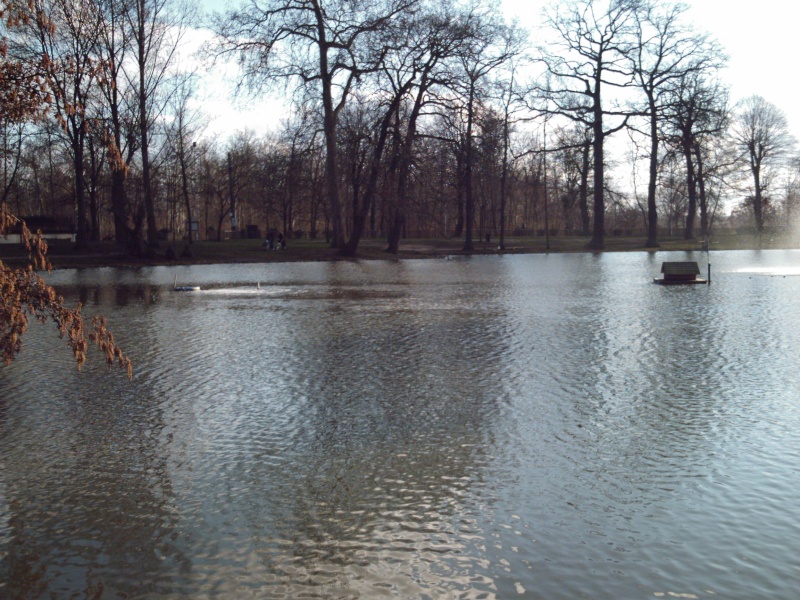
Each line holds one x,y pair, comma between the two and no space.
24,294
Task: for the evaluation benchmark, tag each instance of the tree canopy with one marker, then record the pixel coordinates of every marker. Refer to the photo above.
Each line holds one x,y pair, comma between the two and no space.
24,294
399,123
26,94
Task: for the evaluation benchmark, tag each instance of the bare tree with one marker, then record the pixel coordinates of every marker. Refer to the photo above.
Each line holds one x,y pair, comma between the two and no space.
120,107
696,114
665,51
761,134
792,198
489,43
156,31
511,102
435,37
23,292
715,167
299,141
672,194
67,34
11,143
23,93
572,155
593,40
325,48
182,135
359,127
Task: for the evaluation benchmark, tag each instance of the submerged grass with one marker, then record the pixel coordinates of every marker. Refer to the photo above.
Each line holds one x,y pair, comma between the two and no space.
63,254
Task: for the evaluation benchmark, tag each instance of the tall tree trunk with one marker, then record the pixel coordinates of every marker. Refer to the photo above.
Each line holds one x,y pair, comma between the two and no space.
583,197
360,211
291,191
185,192
51,174
459,228
117,167
397,216
691,185
144,130
758,201
469,208
701,188
404,170
332,179
504,184
329,126
598,231
356,170
81,238
652,211
119,172
94,207
231,199
119,206
546,195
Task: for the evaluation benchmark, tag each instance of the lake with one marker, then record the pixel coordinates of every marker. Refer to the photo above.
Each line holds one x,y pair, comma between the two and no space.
529,426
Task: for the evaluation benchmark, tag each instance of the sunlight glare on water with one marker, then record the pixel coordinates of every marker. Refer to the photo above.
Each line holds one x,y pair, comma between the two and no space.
776,271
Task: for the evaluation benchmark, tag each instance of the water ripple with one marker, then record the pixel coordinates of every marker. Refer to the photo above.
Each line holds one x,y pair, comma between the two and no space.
499,427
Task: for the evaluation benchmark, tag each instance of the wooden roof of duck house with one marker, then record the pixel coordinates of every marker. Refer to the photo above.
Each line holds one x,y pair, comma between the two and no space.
680,272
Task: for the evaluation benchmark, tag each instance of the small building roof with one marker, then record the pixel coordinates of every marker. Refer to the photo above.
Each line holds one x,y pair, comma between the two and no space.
680,268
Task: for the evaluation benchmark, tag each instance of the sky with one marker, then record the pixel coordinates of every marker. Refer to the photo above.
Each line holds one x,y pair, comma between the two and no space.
760,39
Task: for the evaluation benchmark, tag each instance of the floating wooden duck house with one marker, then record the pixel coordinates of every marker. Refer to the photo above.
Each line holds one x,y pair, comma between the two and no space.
680,273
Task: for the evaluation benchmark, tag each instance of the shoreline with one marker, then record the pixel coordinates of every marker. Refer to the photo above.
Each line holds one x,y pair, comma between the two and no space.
62,255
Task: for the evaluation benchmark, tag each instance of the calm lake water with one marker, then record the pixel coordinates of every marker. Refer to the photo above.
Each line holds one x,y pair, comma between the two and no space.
495,427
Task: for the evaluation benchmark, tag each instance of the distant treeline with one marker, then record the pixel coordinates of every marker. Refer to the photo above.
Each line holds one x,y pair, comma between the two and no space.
409,118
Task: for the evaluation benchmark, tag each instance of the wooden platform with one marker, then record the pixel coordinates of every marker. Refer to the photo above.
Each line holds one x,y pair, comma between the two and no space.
680,273
678,281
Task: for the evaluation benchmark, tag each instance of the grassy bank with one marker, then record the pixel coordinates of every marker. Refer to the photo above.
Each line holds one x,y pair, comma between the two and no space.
63,255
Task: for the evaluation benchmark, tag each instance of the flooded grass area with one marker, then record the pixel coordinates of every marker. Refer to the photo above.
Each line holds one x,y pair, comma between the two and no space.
532,426
101,254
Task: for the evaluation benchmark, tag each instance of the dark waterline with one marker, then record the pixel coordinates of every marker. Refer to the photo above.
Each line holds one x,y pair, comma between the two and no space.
523,426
